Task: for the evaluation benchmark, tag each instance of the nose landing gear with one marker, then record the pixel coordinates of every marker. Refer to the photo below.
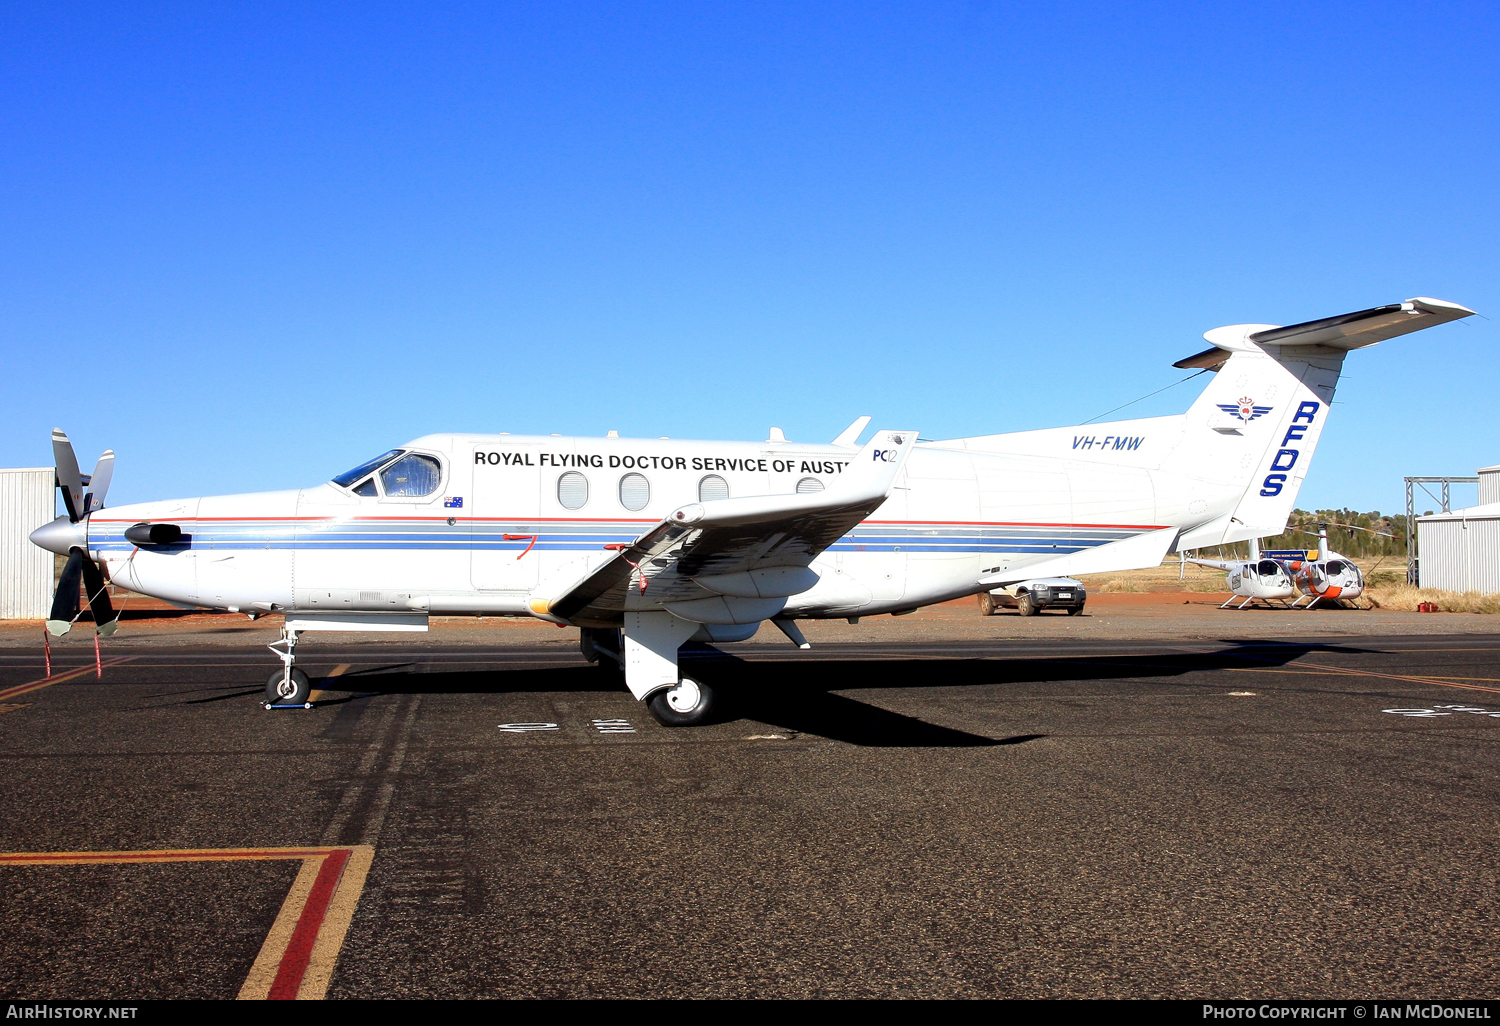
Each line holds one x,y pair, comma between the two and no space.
288,685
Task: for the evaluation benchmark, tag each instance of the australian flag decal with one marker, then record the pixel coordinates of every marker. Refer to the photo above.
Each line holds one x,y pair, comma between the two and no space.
453,502
1246,410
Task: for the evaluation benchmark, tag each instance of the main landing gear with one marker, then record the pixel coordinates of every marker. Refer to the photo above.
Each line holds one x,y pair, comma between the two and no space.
646,650
288,685
686,705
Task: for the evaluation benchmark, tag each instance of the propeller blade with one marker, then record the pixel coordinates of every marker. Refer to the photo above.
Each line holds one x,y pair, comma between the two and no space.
65,602
99,481
68,477
106,620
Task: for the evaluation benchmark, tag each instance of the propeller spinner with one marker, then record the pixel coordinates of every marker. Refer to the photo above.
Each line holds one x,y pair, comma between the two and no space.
68,536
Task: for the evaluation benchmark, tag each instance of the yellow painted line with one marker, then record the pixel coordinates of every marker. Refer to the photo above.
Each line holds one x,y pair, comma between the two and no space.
12,708
298,956
257,985
92,858
1339,671
57,678
338,671
335,927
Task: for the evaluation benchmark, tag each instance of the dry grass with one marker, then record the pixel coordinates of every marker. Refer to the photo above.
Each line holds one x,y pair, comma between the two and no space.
1403,596
1132,584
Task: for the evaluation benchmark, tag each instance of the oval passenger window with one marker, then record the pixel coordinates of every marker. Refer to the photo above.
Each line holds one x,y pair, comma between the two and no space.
808,485
712,487
572,490
411,477
635,491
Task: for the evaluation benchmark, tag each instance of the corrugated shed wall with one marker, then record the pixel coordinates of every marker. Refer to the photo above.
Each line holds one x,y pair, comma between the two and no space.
1460,555
26,503
1489,485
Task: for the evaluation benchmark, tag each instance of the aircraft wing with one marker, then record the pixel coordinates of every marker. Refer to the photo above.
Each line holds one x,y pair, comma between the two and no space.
726,540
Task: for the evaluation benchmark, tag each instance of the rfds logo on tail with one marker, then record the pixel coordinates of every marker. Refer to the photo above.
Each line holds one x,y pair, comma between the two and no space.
1246,409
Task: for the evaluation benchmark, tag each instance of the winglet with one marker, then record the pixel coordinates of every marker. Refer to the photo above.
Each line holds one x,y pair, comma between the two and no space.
850,435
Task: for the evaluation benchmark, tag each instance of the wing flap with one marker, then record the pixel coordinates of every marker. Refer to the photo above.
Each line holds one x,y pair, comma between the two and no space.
732,536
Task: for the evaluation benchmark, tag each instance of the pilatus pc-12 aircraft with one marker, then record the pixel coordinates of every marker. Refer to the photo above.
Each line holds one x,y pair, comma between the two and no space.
646,544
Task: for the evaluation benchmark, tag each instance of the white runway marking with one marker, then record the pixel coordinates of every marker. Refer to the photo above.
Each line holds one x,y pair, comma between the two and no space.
614,727
1443,710
521,728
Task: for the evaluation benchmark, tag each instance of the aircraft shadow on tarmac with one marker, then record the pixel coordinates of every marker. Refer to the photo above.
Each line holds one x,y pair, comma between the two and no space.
803,695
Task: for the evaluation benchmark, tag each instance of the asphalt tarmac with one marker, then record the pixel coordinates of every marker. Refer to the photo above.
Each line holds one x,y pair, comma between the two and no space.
1063,817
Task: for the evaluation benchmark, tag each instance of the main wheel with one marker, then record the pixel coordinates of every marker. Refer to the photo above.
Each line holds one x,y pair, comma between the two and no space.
685,705
293,692
987,604
1074,610
1025,605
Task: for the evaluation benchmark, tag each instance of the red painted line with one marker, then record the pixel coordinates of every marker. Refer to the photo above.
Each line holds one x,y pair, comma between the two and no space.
1015,523
183,855
612,520
299,949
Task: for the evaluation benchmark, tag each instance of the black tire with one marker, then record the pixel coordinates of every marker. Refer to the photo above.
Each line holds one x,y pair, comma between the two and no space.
1074,610
591,640
301,688
668,708
987,605
1025,605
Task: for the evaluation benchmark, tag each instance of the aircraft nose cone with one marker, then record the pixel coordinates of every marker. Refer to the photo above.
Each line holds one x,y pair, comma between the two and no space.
61,536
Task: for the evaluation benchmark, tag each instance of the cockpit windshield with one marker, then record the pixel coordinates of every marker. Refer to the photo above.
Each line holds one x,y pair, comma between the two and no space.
348,477
1268,568
1335,567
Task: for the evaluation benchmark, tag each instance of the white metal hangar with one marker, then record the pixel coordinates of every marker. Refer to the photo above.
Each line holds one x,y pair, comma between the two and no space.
27,501
1461,550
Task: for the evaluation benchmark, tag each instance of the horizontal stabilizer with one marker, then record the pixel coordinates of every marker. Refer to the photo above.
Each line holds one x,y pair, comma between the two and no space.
1345,331
1143,550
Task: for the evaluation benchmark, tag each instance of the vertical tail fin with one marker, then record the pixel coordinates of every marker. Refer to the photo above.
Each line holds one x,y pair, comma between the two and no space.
1254,428
1249,439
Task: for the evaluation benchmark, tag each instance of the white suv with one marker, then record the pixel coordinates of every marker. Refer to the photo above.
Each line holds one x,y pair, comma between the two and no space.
1031,597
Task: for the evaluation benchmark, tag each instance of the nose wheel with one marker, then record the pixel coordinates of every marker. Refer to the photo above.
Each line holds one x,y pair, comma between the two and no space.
288,685
686,704
288,689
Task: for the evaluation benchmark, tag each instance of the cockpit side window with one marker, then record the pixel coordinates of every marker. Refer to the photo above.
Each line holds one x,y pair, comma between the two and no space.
366,488
412,476
1335,567
1268,568
348,477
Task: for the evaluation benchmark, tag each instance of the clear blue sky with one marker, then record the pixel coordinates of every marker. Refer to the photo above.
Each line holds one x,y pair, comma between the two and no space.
248,245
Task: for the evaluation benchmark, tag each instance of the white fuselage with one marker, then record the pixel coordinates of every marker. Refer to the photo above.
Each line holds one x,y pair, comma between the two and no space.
953,516
505,522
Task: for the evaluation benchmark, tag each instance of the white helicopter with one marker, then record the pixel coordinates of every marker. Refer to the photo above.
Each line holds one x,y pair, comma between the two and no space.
1252,580
646,544
1329,578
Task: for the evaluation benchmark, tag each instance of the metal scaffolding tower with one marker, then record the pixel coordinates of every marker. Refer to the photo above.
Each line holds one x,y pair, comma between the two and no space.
1411,513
